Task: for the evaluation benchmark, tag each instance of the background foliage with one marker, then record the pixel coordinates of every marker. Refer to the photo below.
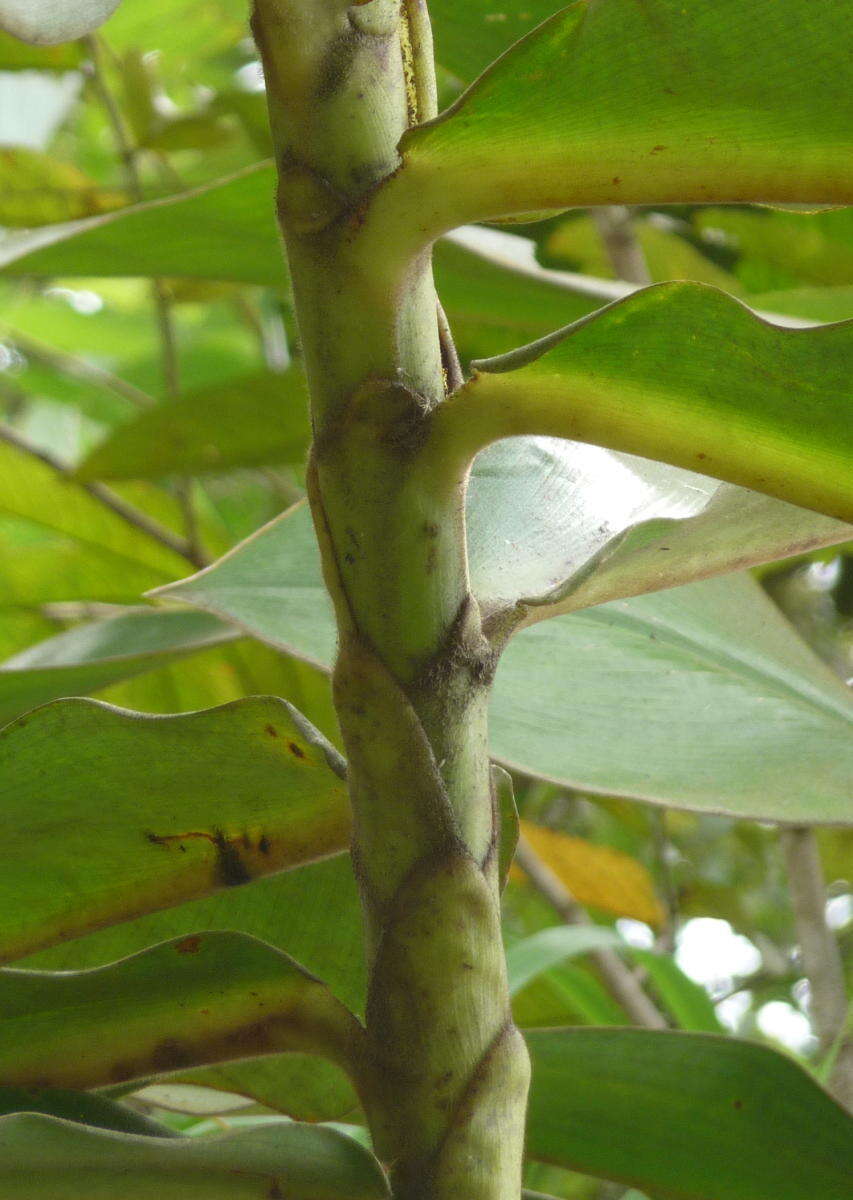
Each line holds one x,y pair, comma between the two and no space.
156,354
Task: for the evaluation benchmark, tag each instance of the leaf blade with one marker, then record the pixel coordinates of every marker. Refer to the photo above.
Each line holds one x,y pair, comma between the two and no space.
45,1158
685,374
687,116
227,793
612,1103
190,1002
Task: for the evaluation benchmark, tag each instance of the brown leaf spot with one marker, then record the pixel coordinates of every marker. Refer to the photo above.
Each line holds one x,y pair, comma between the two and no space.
230,867
295,750
656,149
189,945
271,730
264,844
616,180
170,1055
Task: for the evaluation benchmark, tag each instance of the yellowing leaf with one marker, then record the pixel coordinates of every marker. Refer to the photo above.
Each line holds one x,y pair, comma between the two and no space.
36,189
596,875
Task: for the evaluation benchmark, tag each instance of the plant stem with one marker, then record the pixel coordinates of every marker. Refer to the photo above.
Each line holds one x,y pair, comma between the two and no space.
128,512
449,1070
619,979
614,225
820,956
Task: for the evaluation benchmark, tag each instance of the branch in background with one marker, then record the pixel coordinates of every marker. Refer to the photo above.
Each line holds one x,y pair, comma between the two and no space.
449,356
128,512
172,380
820,955
618,977
76,368
160,296
626,256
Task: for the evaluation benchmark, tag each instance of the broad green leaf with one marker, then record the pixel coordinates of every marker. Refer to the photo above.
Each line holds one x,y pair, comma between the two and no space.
469,36
44,1158
81,1107
699,697
36,189
224,230
33,492
683,373
779,249
691,1116
622,103
823,304
91,656
245,422
687,1001
270,586
112,814
535,954
46,22
492,305
567,994
196,1000
314,914
598,876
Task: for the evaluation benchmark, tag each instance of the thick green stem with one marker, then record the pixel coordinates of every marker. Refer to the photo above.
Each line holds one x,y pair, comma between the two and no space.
449,1071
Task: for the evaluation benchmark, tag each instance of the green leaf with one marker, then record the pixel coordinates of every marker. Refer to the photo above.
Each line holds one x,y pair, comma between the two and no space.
780,249
224,230
620,103
245,422
81,1107
681,372
271,586
125,813
699,697
556,526
823,304
538,953
200,999
313,912
694,1116
493,301
566,994
86,529
46,23
189,36
16,55
91,656
687,1001
469,36
36,189
43,1158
